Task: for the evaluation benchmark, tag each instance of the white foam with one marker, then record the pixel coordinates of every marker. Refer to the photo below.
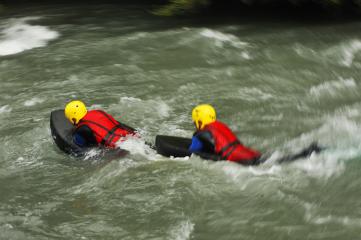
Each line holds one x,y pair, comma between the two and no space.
181,159
253,94
5,109
129,99
33,101
9,226
105,176
246,55
273,170
95,106
166,128
138,35
349,51
333,87
240,173
19,36
312,217
341,131
323,165
304,51
92,154
147,106
163,109
221,38
26,161
340,135
183,231
136,145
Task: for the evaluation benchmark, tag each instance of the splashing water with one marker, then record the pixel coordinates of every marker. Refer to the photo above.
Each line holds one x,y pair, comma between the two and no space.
18,36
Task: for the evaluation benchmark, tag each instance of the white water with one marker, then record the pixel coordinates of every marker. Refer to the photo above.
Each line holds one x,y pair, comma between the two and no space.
34,101
5,109
18,35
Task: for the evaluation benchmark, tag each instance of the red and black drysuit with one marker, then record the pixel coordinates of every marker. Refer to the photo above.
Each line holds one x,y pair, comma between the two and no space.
218,139
100,128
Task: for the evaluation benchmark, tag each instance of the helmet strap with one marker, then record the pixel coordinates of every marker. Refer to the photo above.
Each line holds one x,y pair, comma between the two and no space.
200,125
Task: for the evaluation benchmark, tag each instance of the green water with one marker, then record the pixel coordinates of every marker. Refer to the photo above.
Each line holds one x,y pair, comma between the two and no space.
279,85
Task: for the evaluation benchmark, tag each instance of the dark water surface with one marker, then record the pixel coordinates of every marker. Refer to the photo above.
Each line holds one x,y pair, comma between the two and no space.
280,86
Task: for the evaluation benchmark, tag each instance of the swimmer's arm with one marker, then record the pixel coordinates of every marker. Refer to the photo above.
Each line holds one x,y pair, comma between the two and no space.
202,142
84,137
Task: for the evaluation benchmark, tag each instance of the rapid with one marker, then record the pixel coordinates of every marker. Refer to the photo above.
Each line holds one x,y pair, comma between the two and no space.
279,85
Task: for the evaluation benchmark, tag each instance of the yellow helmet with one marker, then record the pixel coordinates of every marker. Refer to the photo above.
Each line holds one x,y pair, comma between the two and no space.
202,115
75,111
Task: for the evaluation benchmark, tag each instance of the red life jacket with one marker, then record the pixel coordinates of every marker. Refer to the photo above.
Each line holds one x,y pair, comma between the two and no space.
106,129
228,146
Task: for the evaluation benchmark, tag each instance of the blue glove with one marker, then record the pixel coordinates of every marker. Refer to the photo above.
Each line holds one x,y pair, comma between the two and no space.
196,145
79,140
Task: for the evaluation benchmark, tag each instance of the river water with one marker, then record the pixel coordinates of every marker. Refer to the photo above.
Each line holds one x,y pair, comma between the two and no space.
279,85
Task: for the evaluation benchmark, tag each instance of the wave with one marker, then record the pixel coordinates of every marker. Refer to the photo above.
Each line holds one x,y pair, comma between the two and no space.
183,231
343,53
205,40
187,35
5,109
313,217
33,101
221,38
153,110
253,94
151,105
349,51
137,146
340,134
332,87
17,36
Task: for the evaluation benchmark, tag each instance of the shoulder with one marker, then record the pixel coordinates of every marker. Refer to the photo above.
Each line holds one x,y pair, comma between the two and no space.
82,128
204,135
